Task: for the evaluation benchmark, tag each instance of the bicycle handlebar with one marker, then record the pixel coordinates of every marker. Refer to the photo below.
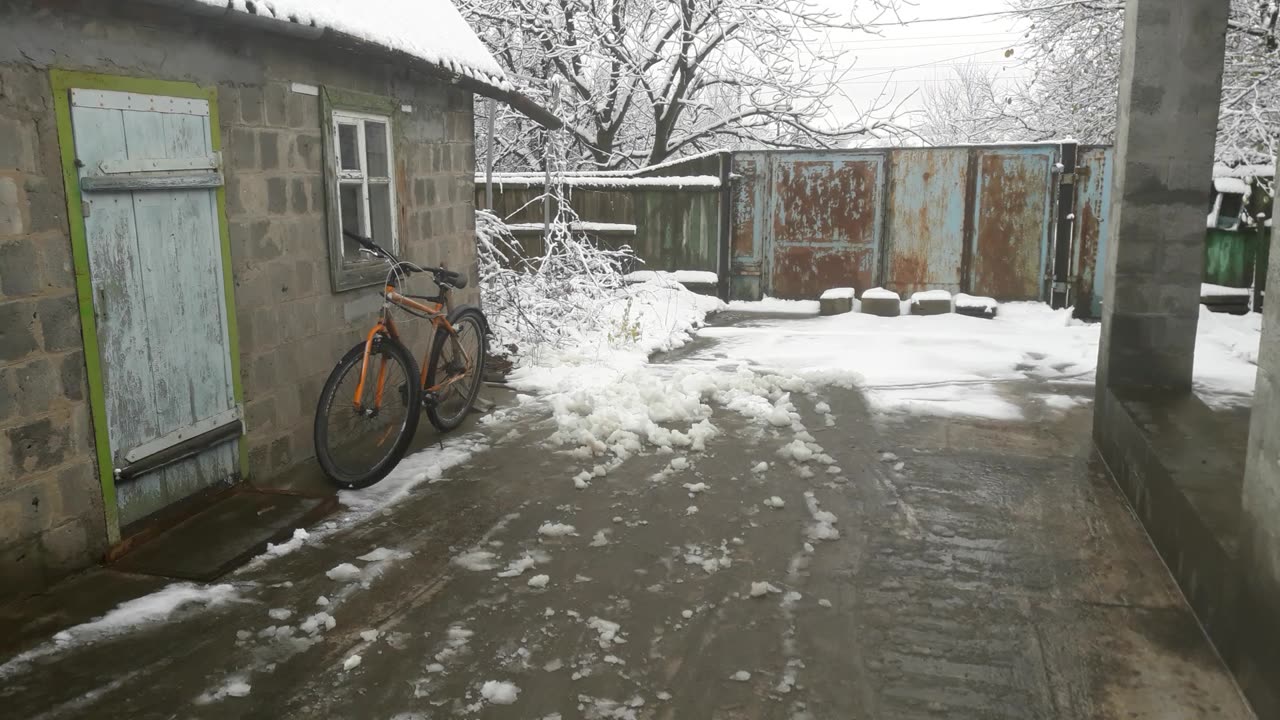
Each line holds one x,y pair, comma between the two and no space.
442,277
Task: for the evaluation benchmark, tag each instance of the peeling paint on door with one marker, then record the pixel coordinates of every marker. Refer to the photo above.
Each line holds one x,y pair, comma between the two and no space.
157,278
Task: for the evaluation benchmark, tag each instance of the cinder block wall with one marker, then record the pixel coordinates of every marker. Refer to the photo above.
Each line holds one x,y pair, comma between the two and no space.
51,517
293,327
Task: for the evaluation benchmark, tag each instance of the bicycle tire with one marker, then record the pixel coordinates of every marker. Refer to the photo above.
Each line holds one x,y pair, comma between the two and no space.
462,319
345,478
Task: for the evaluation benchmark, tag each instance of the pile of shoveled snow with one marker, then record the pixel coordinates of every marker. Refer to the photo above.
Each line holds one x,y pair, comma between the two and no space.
607,398
655,406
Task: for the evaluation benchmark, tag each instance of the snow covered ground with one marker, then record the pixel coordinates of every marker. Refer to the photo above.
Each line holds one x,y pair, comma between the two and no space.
640,479
953,364
609,402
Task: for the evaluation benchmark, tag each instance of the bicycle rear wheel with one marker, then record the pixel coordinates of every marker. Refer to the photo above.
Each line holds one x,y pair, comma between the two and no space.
455,368
357,444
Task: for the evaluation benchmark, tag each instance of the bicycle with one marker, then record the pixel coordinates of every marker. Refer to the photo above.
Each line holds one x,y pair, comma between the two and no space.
385,404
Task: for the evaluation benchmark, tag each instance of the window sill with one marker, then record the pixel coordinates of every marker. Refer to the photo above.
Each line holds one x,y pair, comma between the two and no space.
354,276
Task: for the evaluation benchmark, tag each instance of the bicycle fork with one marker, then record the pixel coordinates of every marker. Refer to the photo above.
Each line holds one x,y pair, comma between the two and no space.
379,387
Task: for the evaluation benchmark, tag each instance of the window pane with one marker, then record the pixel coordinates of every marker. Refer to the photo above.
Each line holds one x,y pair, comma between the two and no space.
375,142
349,146
352,208
380,213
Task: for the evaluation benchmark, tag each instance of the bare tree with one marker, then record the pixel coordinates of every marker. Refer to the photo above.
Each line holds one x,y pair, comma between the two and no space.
1250,108
974,106
1074,51
648,80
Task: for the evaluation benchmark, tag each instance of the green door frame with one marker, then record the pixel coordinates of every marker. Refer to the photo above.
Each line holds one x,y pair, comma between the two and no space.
62,82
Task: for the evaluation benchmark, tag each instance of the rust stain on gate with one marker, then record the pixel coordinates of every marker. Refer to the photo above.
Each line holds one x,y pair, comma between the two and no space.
826,222
750,190
1093,195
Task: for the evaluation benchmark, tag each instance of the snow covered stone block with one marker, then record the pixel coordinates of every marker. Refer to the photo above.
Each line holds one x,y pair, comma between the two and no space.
836,301
1220,298
931,302
881,302
973,306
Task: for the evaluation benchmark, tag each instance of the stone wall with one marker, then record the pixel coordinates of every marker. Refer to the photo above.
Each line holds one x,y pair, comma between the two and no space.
292,326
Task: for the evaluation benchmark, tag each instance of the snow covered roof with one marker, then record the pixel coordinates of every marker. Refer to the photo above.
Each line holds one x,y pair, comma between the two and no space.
1244,171
1230,185
430,31
609,179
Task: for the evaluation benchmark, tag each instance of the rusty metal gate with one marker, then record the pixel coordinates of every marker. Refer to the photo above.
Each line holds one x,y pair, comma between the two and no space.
1012,217
976,219
826,215
1089,231
927,246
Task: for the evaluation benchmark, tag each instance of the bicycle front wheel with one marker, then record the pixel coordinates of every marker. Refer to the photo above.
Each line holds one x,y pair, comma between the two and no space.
455,369
366,420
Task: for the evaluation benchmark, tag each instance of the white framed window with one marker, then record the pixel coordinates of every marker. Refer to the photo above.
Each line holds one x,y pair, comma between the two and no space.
362,154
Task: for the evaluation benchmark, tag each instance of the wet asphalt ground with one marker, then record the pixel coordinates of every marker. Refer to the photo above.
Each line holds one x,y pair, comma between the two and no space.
984,570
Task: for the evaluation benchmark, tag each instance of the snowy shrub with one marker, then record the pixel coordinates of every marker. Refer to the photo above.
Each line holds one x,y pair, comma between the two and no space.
556,298
571,303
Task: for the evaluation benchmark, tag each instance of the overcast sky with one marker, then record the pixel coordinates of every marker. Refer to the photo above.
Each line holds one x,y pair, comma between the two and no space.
904,59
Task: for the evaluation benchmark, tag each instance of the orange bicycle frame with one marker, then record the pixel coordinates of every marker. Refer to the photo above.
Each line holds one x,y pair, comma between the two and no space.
436,311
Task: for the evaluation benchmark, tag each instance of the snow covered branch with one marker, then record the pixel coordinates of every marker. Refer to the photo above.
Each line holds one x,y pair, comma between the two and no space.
648,80
1073,52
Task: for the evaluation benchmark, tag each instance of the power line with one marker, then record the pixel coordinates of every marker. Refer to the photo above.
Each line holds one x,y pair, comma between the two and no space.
921,65
975,38
948,36
926,80
895,68
940,64
879,48
1025,11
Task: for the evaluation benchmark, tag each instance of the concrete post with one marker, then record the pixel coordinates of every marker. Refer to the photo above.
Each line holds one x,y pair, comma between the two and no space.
1260,515
1170,83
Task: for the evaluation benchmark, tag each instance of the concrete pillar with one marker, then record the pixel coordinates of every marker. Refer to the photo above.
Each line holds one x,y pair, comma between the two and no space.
1170,83
1260,532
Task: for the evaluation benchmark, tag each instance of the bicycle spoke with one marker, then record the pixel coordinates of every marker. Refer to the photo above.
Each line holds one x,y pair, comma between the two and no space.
457,362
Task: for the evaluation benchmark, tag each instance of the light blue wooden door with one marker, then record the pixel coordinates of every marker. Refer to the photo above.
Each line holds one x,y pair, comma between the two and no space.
148,176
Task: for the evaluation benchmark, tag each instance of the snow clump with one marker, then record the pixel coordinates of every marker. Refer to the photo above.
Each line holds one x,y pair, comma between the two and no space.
499,693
